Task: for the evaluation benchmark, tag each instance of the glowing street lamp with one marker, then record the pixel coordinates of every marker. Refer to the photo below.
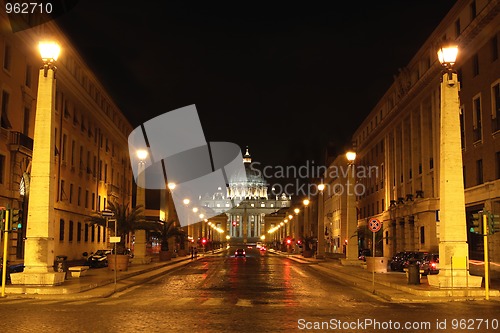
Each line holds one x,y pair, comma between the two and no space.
453,248
40,234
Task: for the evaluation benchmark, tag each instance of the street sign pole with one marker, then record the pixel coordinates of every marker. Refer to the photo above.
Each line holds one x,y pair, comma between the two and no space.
486,259
5,248
374,225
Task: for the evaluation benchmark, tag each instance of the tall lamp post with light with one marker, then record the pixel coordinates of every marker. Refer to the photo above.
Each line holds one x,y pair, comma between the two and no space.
39,245
140,255
351,255
453,248
320,252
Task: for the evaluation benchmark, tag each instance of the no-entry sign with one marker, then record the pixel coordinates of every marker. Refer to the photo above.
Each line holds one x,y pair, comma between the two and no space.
374,225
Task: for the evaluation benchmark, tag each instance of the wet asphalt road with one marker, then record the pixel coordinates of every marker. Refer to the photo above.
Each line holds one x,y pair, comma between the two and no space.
259,293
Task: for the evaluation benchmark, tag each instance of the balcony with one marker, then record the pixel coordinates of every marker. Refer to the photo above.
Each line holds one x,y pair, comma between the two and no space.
113,190
21,142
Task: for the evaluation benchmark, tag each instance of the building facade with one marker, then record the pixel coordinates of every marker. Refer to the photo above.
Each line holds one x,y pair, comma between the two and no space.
401,135
91,157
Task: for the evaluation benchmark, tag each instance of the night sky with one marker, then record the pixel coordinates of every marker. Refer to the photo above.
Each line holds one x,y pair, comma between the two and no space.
284,78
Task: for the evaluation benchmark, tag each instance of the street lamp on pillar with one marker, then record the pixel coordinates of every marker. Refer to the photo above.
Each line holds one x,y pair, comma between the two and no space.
351,241
453,248
39,243
320,251
140,245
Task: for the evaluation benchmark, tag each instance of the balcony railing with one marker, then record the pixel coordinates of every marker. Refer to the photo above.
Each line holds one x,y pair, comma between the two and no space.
19,140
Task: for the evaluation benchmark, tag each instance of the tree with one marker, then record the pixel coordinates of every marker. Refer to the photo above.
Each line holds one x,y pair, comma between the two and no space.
127,220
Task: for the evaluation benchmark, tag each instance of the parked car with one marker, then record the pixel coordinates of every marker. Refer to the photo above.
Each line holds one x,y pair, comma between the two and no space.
430,264
98,259
364,253
414,258
14,268
398,260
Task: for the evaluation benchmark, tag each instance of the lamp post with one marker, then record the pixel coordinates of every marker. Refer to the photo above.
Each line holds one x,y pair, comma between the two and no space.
320,251
296,228
351,251
39,245
453,248
140,255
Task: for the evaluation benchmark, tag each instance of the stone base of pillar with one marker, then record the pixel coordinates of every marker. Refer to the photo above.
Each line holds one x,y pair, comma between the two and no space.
351,262
38,279
457,280
140,260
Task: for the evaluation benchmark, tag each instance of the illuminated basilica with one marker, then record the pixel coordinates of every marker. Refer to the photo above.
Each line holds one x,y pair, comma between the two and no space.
248,195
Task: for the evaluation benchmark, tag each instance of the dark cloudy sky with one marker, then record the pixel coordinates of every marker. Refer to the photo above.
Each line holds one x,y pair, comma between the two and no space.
284,78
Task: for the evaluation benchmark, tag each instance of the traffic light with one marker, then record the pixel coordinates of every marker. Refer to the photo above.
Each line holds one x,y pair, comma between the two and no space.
493,223
476,225
203,241
16,219
288,241
234,223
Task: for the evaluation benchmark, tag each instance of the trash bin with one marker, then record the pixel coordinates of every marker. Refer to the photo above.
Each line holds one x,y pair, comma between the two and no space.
61,265
413,274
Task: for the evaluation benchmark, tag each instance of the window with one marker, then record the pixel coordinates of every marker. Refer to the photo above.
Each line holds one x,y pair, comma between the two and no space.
105,172
86,199
473,10
98,234
5,123
479,172
99,203
79,232
494,48
27,79
70,236
93,201
63,148
477,122
79,202
81,158
73,148
7,57
26,120
457,28
497,160
100,169
2,167
70,193
464,176
61,230
61,192
495,107
475,65
86,234
422,235
462,127
92,233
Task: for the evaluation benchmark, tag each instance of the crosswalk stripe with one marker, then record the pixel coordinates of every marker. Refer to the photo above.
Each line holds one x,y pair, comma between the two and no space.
16,301
244,302
47,302
182,301
113,302
81,302
214,301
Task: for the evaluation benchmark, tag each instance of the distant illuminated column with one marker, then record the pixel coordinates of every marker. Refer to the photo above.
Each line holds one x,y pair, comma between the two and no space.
352,252
140,244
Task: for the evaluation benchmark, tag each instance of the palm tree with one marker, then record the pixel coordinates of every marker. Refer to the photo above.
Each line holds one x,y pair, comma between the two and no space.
127,220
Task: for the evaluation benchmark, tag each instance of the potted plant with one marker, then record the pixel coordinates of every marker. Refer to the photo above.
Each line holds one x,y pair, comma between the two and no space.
308,251
167,229
128,219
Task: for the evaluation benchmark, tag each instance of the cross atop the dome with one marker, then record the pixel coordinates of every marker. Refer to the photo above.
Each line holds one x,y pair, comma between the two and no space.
247,158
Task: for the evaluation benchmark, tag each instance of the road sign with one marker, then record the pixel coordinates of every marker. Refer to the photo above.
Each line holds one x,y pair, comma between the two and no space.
107,213
374,225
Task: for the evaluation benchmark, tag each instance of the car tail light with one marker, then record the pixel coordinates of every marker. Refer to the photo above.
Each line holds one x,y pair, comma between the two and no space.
433,265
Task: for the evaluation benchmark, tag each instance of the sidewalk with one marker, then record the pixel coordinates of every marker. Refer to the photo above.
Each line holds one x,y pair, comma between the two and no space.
393,286
99,282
